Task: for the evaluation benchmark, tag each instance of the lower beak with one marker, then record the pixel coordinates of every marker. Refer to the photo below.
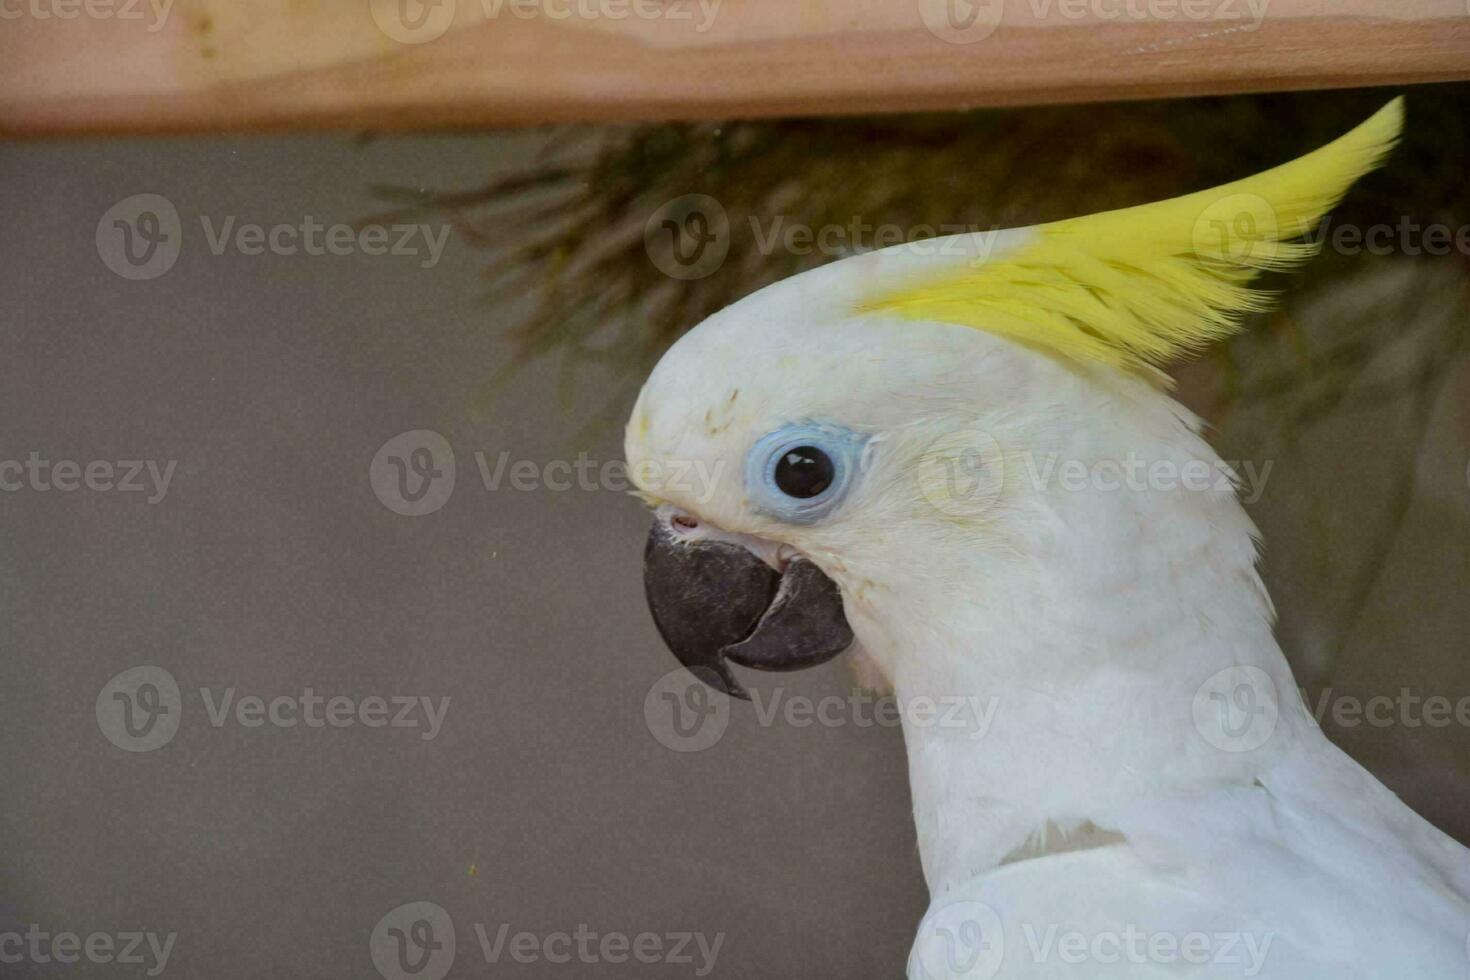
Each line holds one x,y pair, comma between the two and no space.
715,601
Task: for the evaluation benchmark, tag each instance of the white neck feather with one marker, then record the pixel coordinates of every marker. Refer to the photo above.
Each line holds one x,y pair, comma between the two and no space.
1071,662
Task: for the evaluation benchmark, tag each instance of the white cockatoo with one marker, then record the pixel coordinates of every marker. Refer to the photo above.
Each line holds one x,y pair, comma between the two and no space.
959,457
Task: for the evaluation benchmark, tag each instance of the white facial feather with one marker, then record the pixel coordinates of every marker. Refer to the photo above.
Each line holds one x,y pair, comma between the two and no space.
1032,578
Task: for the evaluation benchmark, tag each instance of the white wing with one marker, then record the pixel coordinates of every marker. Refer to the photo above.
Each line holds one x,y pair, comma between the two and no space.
1318,872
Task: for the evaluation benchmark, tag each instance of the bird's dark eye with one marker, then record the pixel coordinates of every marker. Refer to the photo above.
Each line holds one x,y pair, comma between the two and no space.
803,472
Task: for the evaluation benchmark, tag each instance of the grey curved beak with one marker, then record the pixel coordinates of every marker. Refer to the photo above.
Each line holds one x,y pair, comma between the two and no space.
714,602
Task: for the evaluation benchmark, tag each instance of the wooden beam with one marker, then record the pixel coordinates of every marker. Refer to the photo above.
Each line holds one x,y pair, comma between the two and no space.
127,66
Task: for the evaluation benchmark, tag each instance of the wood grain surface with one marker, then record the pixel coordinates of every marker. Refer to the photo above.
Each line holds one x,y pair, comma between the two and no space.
123,66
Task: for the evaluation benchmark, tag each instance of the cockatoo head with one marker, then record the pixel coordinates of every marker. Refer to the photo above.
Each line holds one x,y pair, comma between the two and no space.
937,444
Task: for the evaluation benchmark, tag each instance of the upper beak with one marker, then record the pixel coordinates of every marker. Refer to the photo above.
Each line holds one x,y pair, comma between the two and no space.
714,600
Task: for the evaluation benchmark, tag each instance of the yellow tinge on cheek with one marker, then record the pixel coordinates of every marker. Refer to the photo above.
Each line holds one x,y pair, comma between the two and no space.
649,499
659,478
688,482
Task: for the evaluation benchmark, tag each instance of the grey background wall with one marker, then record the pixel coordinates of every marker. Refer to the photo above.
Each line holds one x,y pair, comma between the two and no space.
545,799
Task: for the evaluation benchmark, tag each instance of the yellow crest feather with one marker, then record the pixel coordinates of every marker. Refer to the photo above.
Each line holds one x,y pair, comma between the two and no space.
1140,286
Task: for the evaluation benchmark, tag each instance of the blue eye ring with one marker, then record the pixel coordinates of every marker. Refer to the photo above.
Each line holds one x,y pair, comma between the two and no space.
842,447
